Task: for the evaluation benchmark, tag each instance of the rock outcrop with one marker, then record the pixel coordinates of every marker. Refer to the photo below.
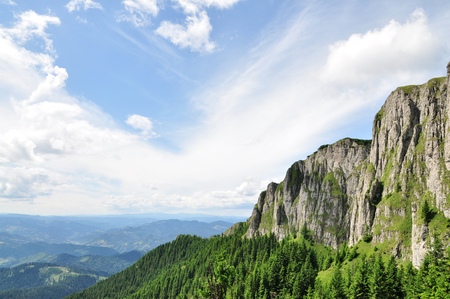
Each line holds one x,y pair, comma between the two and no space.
372,187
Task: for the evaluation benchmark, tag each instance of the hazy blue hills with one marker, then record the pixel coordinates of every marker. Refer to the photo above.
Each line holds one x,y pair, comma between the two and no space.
148,236
54,229
106,265
28,239
11,253
52,257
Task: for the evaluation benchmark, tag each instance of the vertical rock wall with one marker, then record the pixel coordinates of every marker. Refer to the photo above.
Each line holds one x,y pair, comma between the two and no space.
356,187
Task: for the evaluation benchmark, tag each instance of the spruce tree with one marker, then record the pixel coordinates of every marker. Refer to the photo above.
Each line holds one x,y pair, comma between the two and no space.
426,212
393,285
377,280
359,288
337,285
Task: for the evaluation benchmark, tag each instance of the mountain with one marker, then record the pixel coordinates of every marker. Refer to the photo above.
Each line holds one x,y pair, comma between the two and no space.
62,229
377,187
148,236
106,265
44,280
43,230
333,227
11,253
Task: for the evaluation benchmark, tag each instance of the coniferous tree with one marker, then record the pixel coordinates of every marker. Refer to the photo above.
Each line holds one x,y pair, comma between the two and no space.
435,272
359,288
426,212
219,279
393,285
337,285
377,279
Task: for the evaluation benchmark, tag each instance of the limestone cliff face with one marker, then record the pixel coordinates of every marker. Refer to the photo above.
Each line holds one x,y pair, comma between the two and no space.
356,187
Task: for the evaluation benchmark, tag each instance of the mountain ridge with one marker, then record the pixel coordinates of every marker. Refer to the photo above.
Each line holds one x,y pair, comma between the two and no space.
354,188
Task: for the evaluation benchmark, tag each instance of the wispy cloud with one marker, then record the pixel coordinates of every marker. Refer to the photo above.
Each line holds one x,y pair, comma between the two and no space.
139,12
9,2
30,25
82,4
262,113
81,20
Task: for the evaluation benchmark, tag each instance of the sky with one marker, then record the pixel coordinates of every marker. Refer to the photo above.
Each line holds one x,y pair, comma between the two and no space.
193,106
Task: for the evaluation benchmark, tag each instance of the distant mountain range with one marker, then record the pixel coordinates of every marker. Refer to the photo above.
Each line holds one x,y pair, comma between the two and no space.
25,239
148,236
52,257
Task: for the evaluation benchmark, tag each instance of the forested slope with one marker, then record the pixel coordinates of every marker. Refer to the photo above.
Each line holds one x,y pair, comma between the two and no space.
266,268
389,198
44,280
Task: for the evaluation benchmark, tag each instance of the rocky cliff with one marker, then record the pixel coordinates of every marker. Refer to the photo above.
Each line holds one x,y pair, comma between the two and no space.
373,187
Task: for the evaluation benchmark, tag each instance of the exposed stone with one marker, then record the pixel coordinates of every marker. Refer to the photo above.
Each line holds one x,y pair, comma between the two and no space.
353,187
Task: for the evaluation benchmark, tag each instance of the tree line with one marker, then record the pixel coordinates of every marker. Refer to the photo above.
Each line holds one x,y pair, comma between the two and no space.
264,268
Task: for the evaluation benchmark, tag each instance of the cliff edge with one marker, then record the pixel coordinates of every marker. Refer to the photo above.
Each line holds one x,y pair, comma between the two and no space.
377,187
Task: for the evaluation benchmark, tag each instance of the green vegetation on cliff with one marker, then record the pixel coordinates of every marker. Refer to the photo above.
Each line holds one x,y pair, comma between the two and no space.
266,268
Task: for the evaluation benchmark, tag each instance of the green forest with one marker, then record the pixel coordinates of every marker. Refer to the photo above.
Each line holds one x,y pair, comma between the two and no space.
44,280
262,267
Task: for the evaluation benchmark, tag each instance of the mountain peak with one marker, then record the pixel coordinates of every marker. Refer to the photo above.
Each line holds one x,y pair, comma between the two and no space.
377,187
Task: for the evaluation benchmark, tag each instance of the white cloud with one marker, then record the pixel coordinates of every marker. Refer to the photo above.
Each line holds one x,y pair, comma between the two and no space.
9,2
194,35
242,197
30,25
81,20
22,183
395,50
261,114
47,121
82,4
194,6
139,11
141,123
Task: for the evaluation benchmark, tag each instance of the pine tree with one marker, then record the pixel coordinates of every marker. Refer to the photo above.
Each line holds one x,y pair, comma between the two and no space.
393,285
359,288
219,279
378,279
337,285
410,281
435,272
426,212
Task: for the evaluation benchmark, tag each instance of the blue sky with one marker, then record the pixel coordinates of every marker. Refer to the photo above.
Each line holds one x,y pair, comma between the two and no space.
192,105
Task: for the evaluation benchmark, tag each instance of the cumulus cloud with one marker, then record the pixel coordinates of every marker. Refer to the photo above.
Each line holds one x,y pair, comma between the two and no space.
141,123
395,50
139,11
259,118
194,34
26,183
48,121
82,4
